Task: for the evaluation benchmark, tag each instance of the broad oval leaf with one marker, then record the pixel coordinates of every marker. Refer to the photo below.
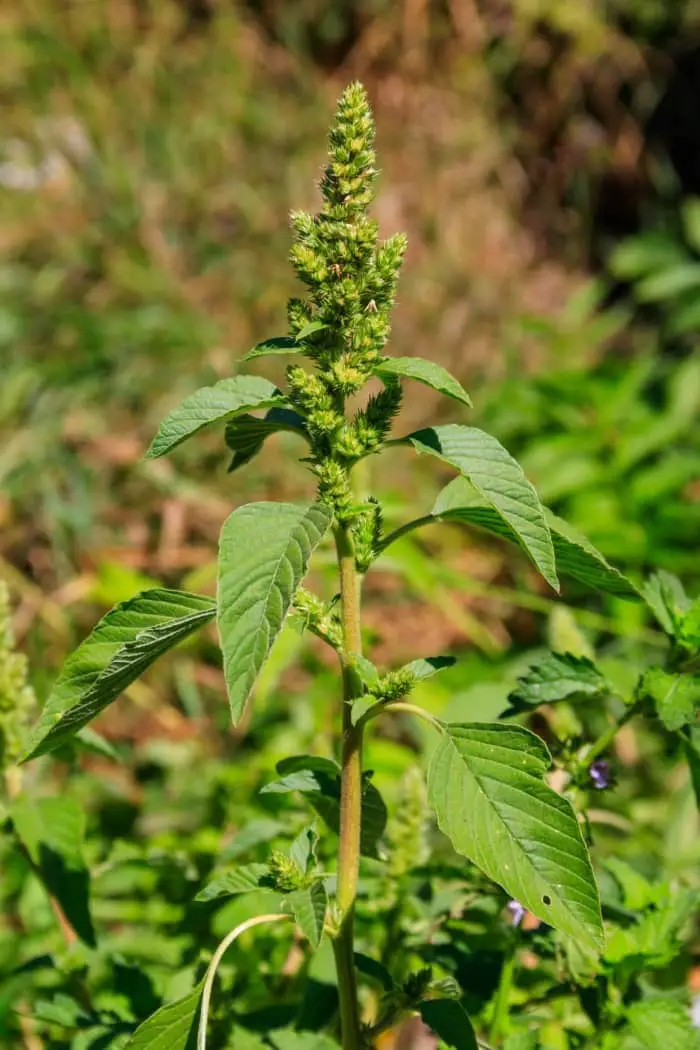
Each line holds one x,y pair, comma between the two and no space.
285,344
308,906
499,480
676,697
125,642
485,782
558,676
575,556
245,435
264,552
427,372
212,404
449,1020
52,831
172,1027
246,879
662,1022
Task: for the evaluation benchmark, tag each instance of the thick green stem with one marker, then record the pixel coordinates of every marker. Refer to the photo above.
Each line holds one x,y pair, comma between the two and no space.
350,796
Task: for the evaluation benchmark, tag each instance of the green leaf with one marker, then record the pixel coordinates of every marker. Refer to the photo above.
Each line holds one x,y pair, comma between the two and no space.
319,780
558,676
212,404
285,344
125,642
661,1023
427,372
691,742
303,849
308,906
485,782
245,435
245,879
575,555
172,1027
637,892
676,697
499,480
450,1023
666,597
373,969
427,666
264,552
52,831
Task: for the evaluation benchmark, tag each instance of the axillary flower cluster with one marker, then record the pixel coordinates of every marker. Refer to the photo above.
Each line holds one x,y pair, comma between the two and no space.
343,322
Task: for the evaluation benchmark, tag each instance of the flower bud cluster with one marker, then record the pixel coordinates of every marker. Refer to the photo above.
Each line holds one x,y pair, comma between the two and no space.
367,533
285,874
17,699
351,278
318,618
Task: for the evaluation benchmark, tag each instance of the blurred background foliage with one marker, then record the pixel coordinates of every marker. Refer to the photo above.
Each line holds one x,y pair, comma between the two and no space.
543,158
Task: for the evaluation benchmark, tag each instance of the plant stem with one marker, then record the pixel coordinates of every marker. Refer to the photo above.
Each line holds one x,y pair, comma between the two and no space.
350,796
605,739
499,1024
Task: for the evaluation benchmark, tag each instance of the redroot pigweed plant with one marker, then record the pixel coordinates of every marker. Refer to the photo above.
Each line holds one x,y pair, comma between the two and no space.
521,825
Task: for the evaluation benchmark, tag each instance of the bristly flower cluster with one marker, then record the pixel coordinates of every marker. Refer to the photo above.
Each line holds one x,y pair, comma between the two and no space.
17,700
352,278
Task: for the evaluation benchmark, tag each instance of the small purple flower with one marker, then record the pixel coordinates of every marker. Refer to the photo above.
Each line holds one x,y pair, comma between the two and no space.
599,772
516,912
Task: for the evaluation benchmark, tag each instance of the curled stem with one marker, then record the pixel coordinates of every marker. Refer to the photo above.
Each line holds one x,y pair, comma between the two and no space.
228,940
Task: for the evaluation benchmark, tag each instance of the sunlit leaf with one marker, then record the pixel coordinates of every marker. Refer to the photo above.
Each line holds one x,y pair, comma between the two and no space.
245,879
125,642
212,404
308,906
485,782
558,676
172,1027
676,697
264,552
427,372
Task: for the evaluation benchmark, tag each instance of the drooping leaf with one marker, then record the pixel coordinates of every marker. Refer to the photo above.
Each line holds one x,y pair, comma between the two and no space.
427,372
575,556
373,969
449,1020
318,779
308,906
662,1023
264,552
676,697
558,676
52,830
212,404
500,482
689,633
245,879
485,782
172,1027
245,435
125,642
637,891
665,595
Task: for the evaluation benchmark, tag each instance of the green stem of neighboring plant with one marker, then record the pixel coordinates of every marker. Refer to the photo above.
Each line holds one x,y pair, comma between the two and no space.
601,745
350,796
499,1023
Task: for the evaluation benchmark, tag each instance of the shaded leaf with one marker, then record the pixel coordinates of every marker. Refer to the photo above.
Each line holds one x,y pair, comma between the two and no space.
373,969
558,676
499,480
308,906
485,782
212,404
665,595
280,344
245,879
288,1039
125,642
449,1020
52,831
427,372
245,435
662,1023
676,697
172,1027
691,743
427,666
264,552
575,556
